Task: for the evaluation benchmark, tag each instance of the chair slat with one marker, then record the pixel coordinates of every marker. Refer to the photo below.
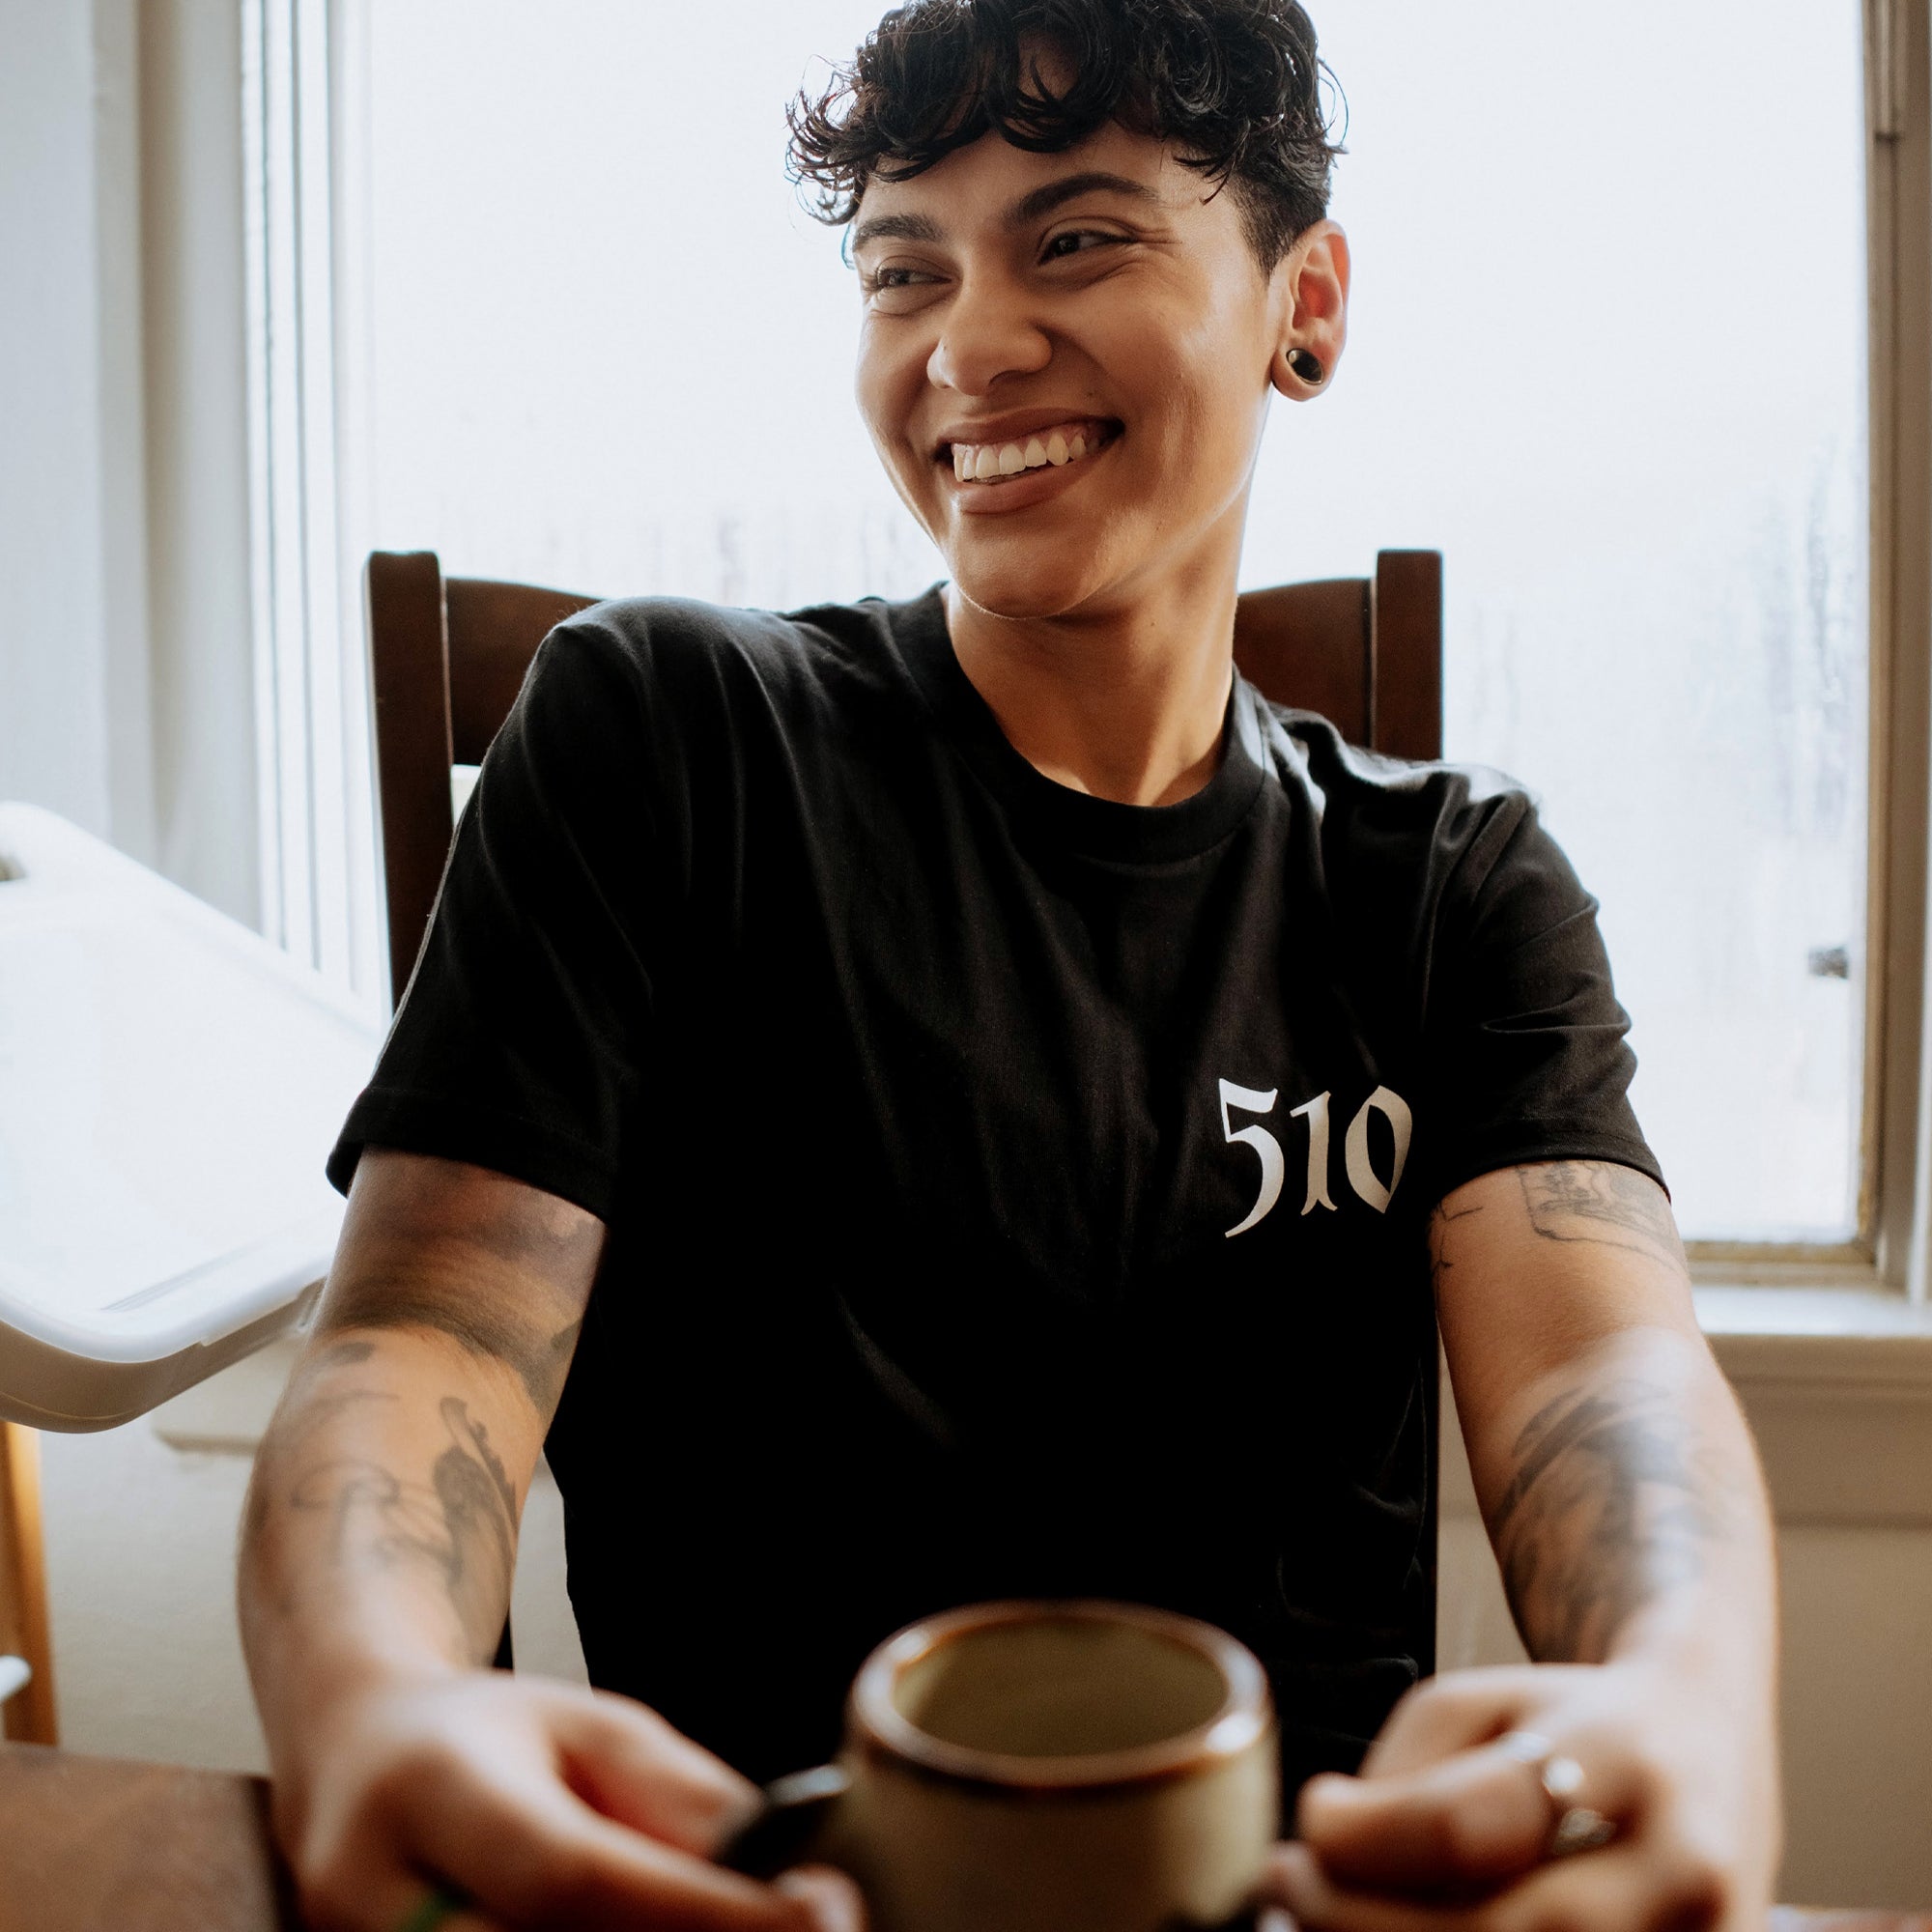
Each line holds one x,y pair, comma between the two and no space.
1308,645
494,631
409,675
1407,654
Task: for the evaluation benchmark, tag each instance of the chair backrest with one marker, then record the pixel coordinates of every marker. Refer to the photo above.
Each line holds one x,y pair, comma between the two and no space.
447,656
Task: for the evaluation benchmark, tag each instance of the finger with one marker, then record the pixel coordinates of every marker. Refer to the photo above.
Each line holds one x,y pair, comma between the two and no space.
1464,1824
1622,1886
1452,1712
835,1902
624,1760
530,1853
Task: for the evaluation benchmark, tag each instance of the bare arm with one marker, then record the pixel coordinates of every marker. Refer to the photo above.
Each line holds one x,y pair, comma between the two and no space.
381,1522
378,1550
1613,1467
1621,1494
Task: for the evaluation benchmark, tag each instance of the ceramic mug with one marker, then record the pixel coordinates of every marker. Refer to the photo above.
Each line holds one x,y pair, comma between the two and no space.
1042,1767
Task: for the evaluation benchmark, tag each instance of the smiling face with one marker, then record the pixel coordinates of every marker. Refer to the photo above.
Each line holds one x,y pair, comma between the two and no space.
1064,364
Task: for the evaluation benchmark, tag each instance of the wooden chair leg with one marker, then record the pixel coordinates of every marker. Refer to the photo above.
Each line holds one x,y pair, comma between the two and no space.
29,1713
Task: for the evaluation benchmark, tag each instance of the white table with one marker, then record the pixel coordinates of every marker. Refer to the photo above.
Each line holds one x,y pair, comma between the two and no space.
170,1085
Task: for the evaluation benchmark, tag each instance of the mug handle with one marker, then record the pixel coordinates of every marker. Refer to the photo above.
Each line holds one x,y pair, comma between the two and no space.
786,1829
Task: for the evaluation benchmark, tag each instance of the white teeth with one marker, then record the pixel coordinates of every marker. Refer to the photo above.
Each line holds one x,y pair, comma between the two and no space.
986,461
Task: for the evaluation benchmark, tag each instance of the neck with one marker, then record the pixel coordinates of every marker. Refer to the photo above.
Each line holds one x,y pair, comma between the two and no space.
1126,705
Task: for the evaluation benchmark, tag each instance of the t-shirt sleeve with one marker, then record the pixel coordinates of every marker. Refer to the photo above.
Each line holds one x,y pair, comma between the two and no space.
1526,1039
520,1042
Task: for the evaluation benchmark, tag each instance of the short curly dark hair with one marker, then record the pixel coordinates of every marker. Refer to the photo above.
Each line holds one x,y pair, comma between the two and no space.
1236,86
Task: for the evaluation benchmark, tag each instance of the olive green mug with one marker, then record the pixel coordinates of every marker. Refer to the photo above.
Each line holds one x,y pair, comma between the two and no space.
1042,1767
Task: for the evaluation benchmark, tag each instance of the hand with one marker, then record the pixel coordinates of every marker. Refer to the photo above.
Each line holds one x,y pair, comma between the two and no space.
543,1805
1445,1831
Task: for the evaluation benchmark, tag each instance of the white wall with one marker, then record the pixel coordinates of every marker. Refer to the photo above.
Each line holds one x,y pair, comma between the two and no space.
125,681
64,595
193,321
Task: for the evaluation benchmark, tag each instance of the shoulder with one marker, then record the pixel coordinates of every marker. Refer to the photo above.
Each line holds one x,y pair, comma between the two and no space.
1436,806
681,640
681,682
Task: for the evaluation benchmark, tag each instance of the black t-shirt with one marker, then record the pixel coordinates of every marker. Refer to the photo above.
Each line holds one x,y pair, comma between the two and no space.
1010,1192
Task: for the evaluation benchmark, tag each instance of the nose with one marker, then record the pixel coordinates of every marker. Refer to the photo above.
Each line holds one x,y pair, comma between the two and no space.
987,333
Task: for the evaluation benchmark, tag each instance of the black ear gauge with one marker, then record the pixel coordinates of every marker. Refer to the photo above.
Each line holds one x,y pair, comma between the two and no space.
1306,364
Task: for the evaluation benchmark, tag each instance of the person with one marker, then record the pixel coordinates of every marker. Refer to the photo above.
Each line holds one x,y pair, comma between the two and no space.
919,1102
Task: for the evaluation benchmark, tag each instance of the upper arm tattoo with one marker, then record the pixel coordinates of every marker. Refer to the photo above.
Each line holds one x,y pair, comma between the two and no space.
497,1271
1598,1202
540,1355
1441,1266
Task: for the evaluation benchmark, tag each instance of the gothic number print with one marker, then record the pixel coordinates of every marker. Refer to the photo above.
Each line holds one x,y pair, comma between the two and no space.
1369,1188
1362,1177
1264,1142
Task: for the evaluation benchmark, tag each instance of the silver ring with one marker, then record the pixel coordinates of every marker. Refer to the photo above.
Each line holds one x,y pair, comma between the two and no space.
1573,1828
1580,1829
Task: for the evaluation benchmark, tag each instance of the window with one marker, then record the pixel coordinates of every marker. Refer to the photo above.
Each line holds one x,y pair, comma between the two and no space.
1610,353
1609,356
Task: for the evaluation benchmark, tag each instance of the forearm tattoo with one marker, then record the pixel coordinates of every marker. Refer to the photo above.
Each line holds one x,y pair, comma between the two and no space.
459,1528
1614,1497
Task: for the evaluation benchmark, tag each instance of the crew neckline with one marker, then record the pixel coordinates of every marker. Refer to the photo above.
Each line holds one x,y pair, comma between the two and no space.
1100,827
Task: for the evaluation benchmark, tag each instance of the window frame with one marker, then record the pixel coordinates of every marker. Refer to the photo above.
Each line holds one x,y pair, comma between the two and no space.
1887,1252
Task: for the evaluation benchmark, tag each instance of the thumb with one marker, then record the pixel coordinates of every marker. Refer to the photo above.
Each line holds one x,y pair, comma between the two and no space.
835,1902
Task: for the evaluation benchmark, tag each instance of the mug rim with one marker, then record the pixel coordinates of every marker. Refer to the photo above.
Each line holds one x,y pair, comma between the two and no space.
1244,1717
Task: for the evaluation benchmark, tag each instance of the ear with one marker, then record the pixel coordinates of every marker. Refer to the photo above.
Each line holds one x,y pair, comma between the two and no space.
1311,288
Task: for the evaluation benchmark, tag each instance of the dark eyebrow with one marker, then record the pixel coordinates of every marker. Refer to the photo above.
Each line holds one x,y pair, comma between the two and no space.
1054,194
896,228
1028,208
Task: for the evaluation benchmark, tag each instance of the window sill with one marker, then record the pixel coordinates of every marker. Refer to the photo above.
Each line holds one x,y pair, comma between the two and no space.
1854,1336
1837,1380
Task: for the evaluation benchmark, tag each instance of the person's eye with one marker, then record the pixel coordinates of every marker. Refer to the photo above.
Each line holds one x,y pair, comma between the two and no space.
894,280
1077,241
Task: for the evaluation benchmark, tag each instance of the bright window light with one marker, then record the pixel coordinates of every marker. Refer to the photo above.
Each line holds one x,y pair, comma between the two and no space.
1607,353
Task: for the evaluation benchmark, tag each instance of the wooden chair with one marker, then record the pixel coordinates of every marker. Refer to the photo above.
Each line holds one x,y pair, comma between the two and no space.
27,1713
447,655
